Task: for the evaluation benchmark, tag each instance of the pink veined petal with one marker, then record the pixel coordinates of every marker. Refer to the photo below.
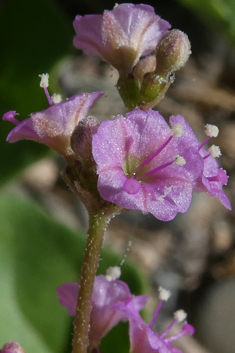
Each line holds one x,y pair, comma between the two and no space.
121,145
121,36
55,125
106,297
67,295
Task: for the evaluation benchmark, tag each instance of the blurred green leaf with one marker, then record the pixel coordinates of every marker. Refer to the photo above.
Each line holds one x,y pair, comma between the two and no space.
219,13
34,36
36,255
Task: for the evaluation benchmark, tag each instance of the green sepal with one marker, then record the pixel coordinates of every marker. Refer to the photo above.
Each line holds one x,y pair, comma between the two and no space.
153,89
129,90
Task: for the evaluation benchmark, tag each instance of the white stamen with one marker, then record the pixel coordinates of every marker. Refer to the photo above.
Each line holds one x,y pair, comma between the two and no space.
214,151
179,160
211,130
56,98
180,315
164,294
113,273
44,80
177,130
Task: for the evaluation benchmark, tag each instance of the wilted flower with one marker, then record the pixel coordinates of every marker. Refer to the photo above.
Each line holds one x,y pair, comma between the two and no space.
144,164
120,36
55,125
106,293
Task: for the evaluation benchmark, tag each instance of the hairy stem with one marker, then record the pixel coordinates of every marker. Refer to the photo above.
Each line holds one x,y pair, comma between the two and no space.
97,225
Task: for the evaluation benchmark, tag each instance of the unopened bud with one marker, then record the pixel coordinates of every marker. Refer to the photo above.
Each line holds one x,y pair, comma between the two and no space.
129,89
173,52
81,139
12,347
145,66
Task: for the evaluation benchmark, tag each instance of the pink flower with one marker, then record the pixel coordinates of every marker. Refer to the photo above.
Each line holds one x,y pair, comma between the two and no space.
12,347
213,178
143,164
106,294
55,125
120,36
142,337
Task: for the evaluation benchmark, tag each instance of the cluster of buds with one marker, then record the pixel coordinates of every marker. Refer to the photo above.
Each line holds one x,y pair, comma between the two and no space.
138,43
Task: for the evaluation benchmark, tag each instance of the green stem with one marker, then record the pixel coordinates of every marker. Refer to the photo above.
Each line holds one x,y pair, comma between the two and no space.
97,224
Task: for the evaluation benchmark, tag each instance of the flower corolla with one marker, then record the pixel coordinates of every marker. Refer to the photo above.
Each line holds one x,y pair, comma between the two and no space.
144,164
54,125
212,178
106,294
120,36
142,337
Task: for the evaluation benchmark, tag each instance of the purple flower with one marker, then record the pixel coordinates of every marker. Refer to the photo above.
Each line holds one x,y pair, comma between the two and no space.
106,294
12,347
55,125
143,164
143,339
120,36
213,178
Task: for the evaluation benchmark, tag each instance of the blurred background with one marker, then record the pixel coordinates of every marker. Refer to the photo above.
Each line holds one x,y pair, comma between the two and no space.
43,225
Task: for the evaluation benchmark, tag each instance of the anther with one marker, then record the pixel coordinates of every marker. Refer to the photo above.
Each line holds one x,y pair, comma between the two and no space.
210,131
180,315
214,151
113,273
164,295
177,130
179,160
56,98
44,83
44,80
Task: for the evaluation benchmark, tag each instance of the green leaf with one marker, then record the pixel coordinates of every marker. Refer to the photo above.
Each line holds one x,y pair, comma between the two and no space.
34,36
36,255
218,13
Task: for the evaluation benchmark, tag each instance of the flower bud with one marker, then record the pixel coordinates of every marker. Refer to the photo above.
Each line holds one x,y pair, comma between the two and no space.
145,66
12,347
81,139
129,89
173,52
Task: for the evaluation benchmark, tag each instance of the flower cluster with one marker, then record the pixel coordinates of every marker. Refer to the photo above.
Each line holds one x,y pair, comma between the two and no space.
112,302
137,42
141,162
144,164
138,161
